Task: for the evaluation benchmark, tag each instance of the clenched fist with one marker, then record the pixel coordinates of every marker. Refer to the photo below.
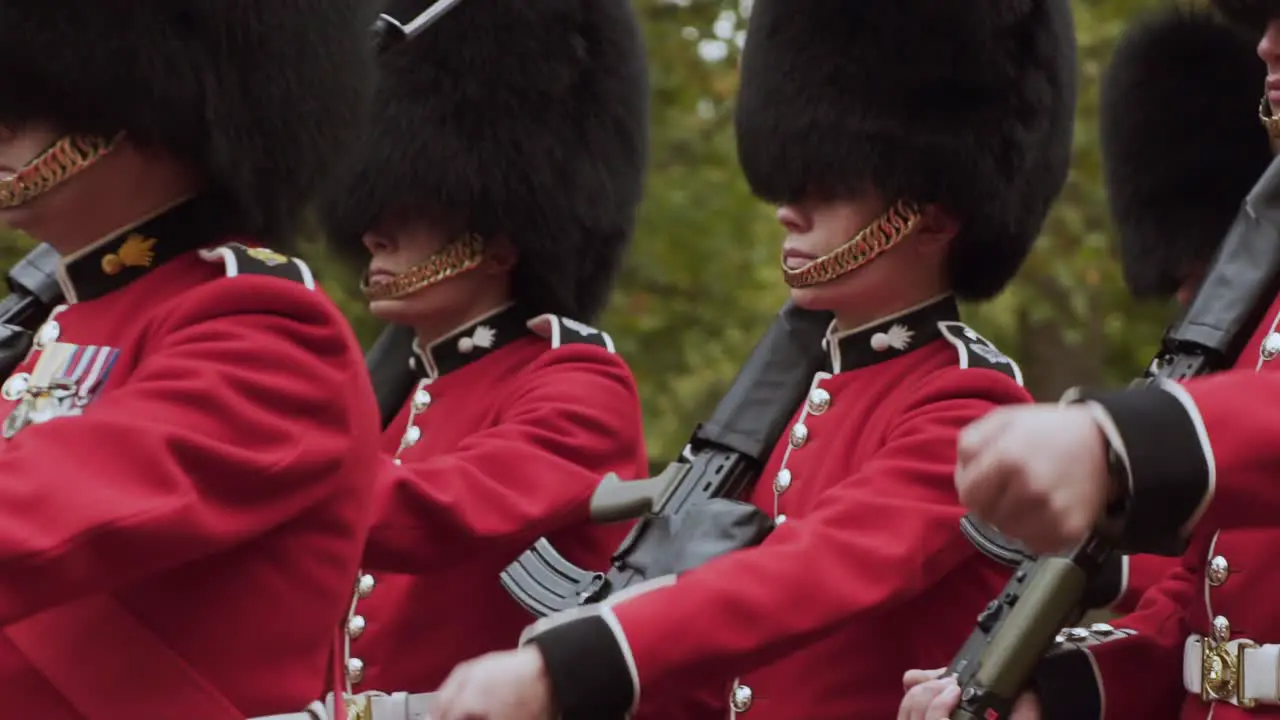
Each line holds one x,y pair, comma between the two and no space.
1038,473
932,698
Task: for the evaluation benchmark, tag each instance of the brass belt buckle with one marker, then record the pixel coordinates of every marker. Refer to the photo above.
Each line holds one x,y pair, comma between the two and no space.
1222,672
359,707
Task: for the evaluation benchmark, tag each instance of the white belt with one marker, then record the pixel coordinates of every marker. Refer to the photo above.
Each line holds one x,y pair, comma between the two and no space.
1237,672
368,706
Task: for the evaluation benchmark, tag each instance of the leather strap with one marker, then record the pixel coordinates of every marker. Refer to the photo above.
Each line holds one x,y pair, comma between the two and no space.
97,654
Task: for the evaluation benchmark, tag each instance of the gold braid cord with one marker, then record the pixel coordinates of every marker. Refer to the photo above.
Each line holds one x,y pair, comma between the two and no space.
457,257
1269,120
883,233
64,159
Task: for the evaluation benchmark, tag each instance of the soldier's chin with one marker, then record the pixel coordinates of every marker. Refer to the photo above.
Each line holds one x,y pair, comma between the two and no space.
813,297
393,310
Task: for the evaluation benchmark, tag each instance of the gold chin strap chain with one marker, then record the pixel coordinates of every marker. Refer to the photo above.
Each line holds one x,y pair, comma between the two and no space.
883,233
457,257
1268,119
62,160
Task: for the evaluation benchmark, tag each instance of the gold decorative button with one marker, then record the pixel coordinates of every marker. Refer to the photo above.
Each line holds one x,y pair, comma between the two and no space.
740,698
819,401
15,386
355,626
1221,629
782,481
355,670
1271,346
1218,571
364,586
47,334
421,400
799,435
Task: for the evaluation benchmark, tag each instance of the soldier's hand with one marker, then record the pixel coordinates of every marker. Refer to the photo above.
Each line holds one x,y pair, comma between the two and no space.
1037,473
510,685
930,698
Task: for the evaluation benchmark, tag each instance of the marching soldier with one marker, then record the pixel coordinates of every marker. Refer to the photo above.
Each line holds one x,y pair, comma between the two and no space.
1170,220
892,210
185,449
492,202
1176,462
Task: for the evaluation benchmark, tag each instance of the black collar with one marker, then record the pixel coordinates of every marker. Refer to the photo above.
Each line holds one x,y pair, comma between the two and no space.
471,342
889,337
124,256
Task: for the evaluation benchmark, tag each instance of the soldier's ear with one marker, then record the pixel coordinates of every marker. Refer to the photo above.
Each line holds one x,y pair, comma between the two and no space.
500,255
935,228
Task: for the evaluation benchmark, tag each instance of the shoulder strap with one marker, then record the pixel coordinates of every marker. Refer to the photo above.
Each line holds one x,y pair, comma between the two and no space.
241,259
95,652
563,331
978,352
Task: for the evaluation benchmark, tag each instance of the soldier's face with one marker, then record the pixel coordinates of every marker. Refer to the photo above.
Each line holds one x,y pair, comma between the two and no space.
399,246
1269,51
914,266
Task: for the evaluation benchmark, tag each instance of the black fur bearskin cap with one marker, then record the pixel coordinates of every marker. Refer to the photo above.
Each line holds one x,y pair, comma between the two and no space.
260,94
1181,142
527,120
966,104
1253,14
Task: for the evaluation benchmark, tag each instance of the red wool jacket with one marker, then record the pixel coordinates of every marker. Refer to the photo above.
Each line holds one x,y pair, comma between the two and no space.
512,425
190,438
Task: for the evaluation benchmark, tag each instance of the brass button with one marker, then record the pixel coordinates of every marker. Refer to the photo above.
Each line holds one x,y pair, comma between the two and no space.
799,435
355,670
819,401
782,481
1221,629
421,400
364,586
1218,571
15,386
412,435
355,626
1271,346
741,697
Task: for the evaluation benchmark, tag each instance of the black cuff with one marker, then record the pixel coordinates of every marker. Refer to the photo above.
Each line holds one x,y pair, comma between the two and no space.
1065,683
588,669
1168,467
1107,586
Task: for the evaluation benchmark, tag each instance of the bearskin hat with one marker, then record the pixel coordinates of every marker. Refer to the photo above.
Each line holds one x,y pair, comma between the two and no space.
1252,14
524,120
969,105
1181,142
262,95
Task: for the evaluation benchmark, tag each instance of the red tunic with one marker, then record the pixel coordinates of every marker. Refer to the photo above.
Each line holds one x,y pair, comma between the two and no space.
202,461
512,436
867,573
1203,461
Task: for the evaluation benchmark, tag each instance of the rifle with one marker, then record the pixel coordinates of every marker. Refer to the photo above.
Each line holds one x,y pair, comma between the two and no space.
1047,594
33,292
688,513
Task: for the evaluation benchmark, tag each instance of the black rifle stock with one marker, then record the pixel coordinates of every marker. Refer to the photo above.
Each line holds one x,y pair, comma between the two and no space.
723,459
996,663
33,291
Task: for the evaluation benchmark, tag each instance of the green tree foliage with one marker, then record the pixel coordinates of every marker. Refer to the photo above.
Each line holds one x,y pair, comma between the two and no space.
702,282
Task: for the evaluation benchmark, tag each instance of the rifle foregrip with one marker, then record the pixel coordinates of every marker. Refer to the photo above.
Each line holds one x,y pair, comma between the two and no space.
1013,633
